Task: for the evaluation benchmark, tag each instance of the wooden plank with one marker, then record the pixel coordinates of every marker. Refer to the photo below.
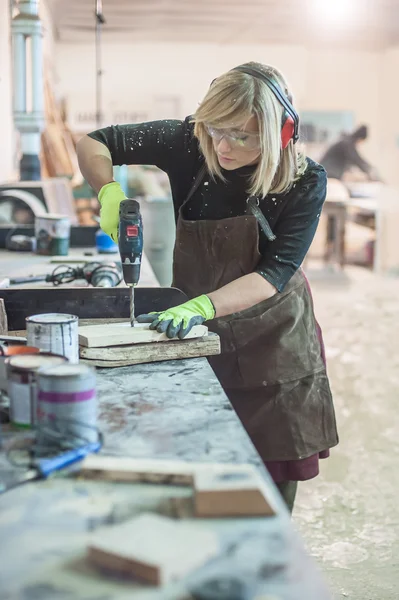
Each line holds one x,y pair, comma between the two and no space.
118,334
121,356
149,470
140,470
3,318
153,548
220,490
240,493
85,303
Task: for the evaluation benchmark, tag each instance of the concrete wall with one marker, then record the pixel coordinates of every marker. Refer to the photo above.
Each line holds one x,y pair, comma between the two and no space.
146,81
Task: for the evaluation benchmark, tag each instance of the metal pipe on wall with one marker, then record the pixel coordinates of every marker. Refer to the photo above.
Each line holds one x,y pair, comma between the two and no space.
19,72
37,74
29,121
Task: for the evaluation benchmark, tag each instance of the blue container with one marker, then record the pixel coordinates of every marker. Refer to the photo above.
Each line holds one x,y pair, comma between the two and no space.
105,244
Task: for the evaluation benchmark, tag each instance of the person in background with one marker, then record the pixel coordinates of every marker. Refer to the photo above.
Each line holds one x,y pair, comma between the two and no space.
247,204
343,155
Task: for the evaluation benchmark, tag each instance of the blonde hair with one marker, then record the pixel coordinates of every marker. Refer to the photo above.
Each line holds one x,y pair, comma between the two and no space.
234,98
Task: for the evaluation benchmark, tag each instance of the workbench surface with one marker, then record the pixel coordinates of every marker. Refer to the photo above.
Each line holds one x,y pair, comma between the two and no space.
166,410
173,409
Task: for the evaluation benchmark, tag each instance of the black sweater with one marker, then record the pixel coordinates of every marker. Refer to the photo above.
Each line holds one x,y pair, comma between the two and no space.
171,146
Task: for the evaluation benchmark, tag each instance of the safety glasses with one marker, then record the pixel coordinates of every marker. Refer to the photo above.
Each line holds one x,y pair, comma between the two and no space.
241,140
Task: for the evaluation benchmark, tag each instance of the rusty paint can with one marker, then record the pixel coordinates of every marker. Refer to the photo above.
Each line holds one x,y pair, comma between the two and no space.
56,333
67,404
22,384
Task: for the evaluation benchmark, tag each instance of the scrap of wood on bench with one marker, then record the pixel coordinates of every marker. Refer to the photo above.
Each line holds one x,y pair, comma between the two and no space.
220,490
118,334
3,318
143,470
237,493
153,548
120,356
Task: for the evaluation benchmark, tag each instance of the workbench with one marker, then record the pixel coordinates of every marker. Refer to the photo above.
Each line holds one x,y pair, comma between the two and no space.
18,264
166,410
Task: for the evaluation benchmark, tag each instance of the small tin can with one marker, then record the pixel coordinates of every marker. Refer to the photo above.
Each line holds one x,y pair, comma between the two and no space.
56,333
22,384
67,404
52,234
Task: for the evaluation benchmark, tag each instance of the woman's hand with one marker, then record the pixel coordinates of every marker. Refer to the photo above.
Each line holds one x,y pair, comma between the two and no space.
179,320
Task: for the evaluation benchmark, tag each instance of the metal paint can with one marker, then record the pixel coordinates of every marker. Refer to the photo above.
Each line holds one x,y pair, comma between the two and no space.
52,234
6,352
67,404
56,333
22,384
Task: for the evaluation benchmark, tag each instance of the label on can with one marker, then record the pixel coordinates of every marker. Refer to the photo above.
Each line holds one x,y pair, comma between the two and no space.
67,401
20,403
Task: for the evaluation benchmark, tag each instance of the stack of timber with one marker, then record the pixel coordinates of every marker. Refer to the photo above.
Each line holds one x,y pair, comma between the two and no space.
119,344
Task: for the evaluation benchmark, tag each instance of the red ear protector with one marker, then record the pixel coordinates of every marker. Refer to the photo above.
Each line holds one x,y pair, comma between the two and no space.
290,119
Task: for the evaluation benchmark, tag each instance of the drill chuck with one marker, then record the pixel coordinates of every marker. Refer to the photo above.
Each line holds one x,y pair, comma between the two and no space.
131,273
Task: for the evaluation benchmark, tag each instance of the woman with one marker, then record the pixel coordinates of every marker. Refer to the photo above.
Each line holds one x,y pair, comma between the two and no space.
247,204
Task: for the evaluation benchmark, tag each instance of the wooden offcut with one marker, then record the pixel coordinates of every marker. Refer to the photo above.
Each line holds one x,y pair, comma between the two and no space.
122,356
3,318
230,493
219,490
104,336
137,470
152,548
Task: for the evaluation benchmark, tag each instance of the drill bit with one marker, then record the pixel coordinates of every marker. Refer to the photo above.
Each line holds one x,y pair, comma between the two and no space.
132,306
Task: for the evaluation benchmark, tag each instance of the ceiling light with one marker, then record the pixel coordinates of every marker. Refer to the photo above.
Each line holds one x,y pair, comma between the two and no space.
334,11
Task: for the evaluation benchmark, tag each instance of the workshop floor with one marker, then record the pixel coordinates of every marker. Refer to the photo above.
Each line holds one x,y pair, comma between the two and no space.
349,515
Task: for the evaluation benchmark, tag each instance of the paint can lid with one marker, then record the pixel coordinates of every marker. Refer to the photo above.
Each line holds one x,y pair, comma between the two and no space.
68,370
33,362
18,350
52,318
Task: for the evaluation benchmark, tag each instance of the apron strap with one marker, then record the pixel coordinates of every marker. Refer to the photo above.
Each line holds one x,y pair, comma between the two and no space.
252,201
196,184
253,206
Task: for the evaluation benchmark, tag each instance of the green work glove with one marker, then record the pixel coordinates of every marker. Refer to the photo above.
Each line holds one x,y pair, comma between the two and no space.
110,196
179,320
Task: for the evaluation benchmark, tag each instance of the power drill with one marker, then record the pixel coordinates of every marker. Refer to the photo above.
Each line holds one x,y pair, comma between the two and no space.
130,239
107,274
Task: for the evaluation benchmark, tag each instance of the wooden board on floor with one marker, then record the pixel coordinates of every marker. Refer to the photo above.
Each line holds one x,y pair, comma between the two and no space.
135,354
153,548
104,336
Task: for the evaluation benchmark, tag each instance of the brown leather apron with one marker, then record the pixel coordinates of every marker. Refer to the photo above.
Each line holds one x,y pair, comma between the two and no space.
271,366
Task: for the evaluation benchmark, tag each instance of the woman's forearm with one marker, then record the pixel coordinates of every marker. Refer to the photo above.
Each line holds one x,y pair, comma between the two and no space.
95,162
241,294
